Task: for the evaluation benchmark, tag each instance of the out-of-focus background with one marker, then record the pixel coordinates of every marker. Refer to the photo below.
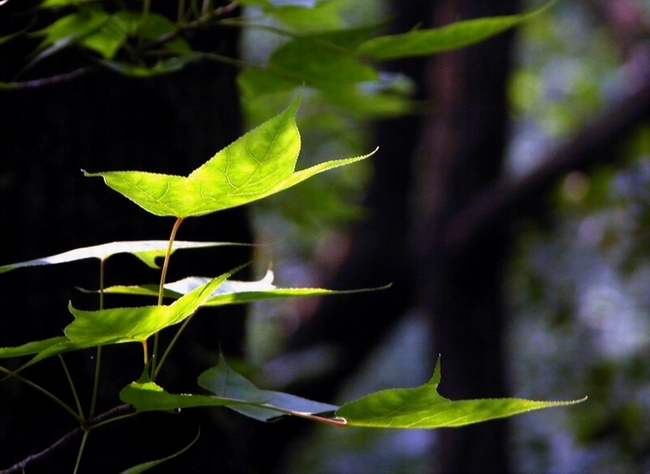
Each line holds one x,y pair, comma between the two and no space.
508,205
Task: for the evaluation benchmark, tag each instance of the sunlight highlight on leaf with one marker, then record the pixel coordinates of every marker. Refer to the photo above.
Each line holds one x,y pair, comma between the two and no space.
257,165
145,250
424,407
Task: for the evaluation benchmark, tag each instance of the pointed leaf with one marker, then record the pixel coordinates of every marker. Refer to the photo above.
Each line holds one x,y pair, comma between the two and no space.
231,291
118,325
148,465
146,250
259,164
231,390
42,350
437,40
145,395
30,348
267,405
423,407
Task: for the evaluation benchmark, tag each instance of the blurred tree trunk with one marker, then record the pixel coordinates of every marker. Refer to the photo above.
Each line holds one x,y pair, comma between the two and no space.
448,156
460,286
101,122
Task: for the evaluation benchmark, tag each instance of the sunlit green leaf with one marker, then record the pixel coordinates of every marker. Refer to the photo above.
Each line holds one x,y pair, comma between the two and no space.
145,250
424,407
148,465
40,350
118,325
30,348
259,164
437,40
231,291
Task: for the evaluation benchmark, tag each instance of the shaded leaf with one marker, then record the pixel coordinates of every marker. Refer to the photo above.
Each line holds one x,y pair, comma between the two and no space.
146,250
323,60
423,407
166,66
62,3
148,465
231,390
110,37
437,40
66,31
226,383
259,164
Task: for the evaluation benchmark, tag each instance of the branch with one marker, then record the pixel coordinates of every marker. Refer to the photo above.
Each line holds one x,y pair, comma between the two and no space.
506,200
46,81
120,410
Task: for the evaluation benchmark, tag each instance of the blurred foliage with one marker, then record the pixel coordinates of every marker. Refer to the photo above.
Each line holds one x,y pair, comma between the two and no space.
580,279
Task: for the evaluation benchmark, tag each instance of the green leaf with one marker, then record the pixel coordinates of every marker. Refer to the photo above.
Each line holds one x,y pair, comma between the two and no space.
437,40
324,60
230,389
309,15
62,3
156,26
266,405
110,37
30,348
231,291
40,349
68,30
119,325
423,407
259,164
145,250
146,395
148,465
165,66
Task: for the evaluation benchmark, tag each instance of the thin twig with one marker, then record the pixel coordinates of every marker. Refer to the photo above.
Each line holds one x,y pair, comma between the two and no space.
116,412
47,81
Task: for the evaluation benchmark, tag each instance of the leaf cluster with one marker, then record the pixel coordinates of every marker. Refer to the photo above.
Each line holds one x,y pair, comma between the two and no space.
261,163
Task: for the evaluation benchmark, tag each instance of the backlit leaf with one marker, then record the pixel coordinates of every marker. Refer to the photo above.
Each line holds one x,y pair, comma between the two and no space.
118,325
424,407
259,164
146,250
231,291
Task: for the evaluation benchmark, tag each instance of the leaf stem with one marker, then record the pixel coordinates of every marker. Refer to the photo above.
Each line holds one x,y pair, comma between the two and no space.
161,291
98,360
169,347
163,274
72,387
81,450
49,395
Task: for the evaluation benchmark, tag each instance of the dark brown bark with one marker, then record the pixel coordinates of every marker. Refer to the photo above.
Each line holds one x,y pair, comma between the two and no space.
461,155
